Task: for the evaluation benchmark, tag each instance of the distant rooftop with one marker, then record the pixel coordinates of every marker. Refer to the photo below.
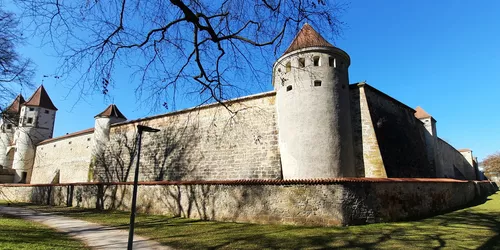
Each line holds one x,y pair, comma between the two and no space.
421,113
15,107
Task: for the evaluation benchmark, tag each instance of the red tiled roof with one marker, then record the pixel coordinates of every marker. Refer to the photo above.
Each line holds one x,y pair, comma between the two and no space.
464,150
420,113
15,107
307,37
111,111
41,99
81,132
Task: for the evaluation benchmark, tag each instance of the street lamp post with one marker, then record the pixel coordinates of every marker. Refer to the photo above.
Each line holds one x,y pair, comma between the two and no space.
140,129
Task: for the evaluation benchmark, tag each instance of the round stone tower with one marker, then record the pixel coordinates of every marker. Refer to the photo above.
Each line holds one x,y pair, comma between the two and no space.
36,123
8,126
312,100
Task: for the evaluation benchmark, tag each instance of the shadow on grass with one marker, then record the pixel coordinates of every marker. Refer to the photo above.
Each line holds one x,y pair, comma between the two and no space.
16,233
476,227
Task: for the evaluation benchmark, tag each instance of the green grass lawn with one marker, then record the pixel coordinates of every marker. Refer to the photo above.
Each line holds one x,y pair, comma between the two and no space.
16,233
476,227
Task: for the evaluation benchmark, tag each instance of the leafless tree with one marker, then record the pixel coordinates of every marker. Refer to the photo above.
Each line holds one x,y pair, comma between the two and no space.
214,49
492,164
15,71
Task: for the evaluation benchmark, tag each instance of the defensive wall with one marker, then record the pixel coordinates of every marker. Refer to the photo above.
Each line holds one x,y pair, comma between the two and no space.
304,202
211,142
63,159
239,140
454,163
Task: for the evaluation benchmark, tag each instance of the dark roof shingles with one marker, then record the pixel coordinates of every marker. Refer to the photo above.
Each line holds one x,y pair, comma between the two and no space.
41,99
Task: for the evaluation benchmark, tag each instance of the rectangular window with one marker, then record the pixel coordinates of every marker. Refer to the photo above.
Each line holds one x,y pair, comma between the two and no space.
317,83
46,111
331,62
9,126
316,61
32,109
302,62
30,120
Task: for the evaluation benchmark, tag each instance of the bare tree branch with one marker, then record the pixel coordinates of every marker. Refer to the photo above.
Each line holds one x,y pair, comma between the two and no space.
176,46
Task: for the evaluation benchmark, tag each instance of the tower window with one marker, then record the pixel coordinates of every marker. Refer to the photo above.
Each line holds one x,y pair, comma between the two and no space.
30,120
331,62
9,126
46,112
317,83
317,61
32,109
289,87
302,62
288,67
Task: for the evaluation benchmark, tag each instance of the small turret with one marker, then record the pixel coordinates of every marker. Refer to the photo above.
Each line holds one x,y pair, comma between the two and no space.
36,123
103,122
312,101
431,140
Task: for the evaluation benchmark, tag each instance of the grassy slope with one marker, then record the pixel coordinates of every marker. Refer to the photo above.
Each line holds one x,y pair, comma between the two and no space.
472,228
17,233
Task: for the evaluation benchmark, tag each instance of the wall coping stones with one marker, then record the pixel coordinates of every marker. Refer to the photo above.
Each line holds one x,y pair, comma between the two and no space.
258,182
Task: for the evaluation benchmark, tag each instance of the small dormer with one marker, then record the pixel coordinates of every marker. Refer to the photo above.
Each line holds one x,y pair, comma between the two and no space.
428,121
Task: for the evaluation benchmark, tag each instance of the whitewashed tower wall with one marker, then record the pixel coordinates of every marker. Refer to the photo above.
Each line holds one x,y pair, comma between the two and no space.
311,83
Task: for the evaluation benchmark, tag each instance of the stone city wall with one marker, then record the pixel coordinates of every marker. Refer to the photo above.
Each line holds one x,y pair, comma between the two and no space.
400,136
63,160
210,142
367,156
302,202
454,163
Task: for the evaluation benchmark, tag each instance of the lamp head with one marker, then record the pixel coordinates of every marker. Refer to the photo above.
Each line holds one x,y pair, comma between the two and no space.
147,129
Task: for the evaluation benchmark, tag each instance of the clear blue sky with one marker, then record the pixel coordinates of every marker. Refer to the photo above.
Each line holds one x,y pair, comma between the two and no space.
441,55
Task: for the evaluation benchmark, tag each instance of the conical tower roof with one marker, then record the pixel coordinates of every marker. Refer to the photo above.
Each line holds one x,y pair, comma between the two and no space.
421,113
15,106
307,37
111,111
40,99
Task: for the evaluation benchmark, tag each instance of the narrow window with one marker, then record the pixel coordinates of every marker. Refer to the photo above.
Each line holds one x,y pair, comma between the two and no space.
317,83
331,62
32,109
342,65
88,139
46,111
69,142
288,67
302,62
317,61
24,176
289,87
9,126
30,120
